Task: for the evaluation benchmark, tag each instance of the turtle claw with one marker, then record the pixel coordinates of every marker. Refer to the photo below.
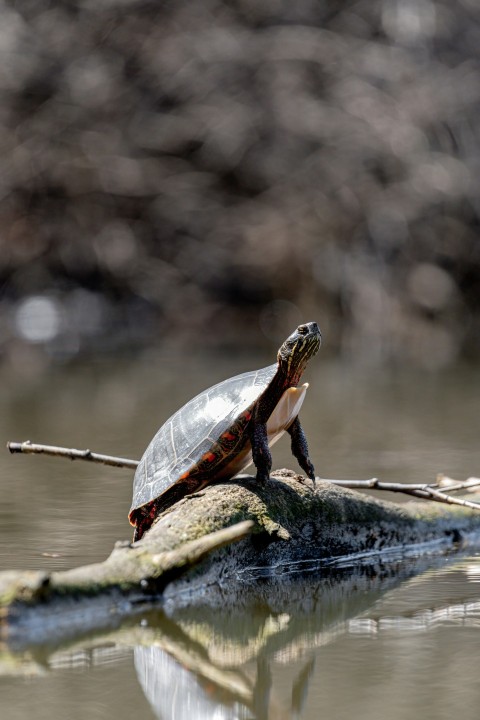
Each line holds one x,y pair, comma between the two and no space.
311,476
310,472
262,477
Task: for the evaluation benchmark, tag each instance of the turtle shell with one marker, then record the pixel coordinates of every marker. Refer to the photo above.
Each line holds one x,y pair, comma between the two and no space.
214,419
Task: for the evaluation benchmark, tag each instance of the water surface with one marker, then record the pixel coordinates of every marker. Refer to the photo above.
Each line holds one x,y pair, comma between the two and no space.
398,640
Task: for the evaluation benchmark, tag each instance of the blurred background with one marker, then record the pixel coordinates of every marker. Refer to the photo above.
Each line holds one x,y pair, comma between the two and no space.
216,172
181,184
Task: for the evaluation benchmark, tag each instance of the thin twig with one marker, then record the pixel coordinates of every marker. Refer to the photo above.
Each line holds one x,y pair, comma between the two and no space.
71,454
424,491
443,497
444,482
374,484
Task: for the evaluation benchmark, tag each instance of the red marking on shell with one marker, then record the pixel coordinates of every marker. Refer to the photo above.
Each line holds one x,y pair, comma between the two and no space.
228,436
210,457
247,415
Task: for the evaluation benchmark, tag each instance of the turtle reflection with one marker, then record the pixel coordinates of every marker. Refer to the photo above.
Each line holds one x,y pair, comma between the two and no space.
215,659
175,692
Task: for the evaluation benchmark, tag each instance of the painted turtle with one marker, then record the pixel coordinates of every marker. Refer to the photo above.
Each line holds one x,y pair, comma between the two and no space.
218,433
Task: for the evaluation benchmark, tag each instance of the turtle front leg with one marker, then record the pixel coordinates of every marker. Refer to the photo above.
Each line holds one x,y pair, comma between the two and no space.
262,457
300,448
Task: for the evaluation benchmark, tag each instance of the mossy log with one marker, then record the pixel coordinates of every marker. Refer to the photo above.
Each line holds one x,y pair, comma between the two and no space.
292,522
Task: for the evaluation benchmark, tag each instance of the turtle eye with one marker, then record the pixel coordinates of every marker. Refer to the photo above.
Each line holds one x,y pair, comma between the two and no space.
303,329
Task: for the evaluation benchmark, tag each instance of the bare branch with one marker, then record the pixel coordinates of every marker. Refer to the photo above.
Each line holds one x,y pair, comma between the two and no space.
471,484
71,454
376,484
423,491
444,498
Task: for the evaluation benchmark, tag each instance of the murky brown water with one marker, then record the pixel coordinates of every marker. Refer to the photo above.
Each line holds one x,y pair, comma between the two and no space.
394,641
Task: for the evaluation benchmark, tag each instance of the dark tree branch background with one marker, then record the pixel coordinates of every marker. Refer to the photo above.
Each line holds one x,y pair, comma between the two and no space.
168,167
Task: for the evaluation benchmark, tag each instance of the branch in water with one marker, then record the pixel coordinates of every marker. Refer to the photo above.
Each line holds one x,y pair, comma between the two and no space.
425,491
71,454
471,484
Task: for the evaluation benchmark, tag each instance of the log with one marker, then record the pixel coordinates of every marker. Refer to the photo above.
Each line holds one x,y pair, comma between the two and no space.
293,523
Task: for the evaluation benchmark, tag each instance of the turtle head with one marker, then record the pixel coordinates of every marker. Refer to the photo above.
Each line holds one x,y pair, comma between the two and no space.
297,350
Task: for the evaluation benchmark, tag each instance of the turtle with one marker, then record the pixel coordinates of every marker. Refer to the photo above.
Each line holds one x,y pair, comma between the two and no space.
222,430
